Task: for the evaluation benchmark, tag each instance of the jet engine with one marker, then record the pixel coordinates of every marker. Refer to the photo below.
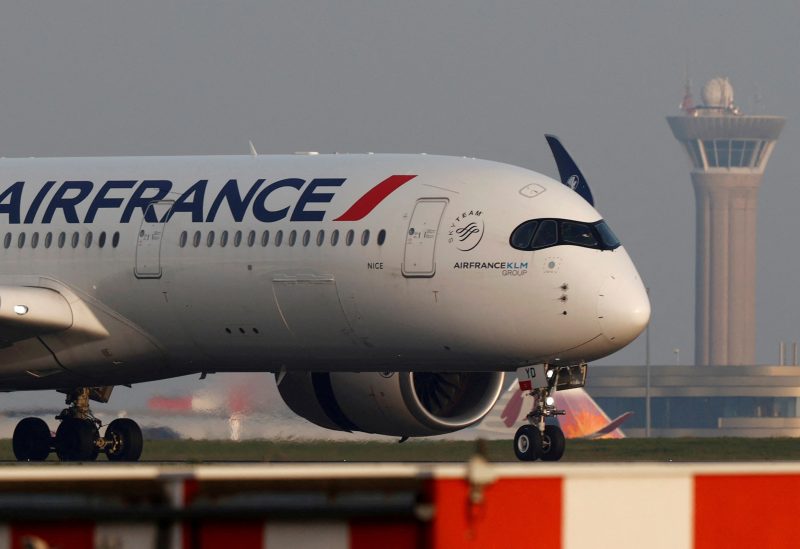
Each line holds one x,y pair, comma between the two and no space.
405,404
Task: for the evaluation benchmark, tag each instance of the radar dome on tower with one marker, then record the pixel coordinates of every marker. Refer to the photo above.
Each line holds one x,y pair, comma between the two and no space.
718,93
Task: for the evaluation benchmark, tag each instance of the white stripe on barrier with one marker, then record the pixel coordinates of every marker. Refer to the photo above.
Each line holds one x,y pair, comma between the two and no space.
122,535
315,535
623,512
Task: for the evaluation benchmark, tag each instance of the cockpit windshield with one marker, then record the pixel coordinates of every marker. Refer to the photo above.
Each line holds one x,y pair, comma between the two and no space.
537,234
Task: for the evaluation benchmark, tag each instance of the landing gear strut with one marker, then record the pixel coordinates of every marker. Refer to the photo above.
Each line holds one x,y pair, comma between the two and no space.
537,439
78,436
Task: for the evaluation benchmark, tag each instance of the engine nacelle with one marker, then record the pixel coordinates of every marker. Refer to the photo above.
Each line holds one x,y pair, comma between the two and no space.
392,403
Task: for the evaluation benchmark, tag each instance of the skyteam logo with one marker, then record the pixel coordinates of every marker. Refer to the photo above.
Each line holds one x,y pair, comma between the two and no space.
466,230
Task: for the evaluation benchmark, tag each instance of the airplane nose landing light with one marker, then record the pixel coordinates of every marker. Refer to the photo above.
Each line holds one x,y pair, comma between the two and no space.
623,309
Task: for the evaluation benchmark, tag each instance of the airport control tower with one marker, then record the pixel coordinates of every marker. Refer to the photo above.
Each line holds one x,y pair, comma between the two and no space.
729,152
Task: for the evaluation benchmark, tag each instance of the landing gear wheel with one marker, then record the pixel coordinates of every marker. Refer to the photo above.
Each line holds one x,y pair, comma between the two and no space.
527,443
553,443
75,440
125,438
31,441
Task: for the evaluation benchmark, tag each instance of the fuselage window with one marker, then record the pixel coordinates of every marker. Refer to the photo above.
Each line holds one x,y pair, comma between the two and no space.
306,237
34,240
76,238
577,233
251,238
351,235
62,239
320,237
196,239
48,240
210,239
7,241
237,238
292,237
21,240
381,237
101,240
223,238
88,239
181,241
278,238
334,237
264,239
365,238
115,239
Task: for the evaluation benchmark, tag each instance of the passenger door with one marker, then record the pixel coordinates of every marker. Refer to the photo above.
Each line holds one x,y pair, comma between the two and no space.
419,259
148,245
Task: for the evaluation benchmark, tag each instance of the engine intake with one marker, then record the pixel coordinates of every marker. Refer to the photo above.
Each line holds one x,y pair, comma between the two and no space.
392,403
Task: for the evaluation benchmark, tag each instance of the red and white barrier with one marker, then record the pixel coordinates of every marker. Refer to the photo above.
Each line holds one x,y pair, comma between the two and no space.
471,506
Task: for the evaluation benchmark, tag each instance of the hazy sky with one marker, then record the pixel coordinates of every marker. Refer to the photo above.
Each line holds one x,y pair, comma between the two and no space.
484,79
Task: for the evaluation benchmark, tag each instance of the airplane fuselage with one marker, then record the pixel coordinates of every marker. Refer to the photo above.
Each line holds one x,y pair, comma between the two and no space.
349,263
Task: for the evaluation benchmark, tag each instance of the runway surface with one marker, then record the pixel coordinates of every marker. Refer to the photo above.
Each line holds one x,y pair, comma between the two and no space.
432,450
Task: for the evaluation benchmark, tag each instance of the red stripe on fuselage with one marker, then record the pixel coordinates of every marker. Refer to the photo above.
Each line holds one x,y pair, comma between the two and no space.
373,197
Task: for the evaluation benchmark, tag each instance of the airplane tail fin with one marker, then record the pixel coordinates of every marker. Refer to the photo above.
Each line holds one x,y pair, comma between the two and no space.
568,170
584,417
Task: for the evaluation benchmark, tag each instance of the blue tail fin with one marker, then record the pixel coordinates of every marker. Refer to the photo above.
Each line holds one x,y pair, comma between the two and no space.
570,175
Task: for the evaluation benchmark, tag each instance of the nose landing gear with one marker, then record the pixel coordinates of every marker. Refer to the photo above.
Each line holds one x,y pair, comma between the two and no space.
78,436
536,439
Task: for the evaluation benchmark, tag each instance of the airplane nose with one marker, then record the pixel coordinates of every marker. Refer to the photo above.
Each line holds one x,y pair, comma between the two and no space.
623,308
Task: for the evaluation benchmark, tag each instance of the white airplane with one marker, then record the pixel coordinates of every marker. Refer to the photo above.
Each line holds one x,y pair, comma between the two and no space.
388,293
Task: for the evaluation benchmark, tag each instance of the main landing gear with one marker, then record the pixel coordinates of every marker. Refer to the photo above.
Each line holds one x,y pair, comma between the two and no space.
537,439
78,436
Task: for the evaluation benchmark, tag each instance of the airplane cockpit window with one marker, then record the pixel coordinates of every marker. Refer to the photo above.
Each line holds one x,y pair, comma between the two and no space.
537,234
546,235
608,237
577,233
521,238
